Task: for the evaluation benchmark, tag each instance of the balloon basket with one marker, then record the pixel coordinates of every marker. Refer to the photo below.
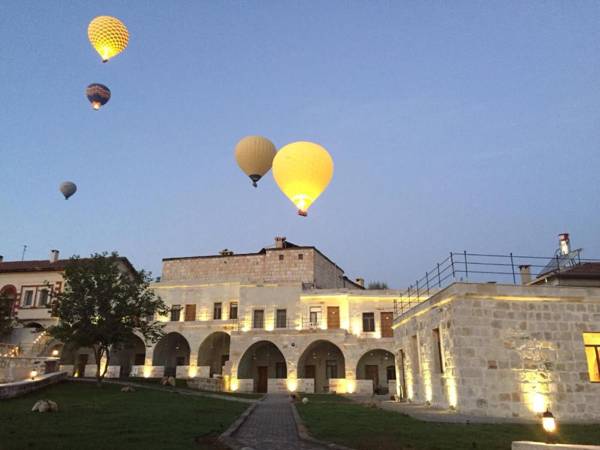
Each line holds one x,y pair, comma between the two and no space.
302,213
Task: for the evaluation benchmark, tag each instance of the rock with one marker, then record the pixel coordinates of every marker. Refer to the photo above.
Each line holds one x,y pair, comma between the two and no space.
305,400
164,381
36,407
53,405
171,381
44,407
127,389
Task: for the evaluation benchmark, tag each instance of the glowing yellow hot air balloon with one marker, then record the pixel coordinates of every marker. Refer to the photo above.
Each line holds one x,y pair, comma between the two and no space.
302,170
254,155
108,35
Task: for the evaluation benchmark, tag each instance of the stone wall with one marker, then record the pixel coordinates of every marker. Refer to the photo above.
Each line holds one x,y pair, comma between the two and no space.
507,351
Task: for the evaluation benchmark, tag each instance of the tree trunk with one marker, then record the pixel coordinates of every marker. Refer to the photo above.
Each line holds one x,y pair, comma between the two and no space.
99,351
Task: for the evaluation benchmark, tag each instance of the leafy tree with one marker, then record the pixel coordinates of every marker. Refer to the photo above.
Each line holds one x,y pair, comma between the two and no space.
377,285
103,304
7,320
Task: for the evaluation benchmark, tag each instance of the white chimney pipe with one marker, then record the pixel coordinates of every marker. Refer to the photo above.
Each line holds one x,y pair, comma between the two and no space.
53,256
564,243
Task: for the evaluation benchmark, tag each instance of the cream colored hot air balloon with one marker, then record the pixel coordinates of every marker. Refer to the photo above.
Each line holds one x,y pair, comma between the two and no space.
108,35
254,155
302,170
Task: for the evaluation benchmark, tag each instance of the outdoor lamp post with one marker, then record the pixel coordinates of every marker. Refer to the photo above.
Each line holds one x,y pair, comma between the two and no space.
33,374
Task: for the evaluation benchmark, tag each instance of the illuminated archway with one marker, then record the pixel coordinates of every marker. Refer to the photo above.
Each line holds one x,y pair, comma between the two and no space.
128,354
214,352
322,360
261,361
377,365
171,351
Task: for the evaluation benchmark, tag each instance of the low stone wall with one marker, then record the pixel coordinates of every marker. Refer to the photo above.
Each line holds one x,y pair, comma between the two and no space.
19,368
203,372
182,372
277,385
206,384
306,385
245,385
17,388
526,445
392,387
137,371
364,387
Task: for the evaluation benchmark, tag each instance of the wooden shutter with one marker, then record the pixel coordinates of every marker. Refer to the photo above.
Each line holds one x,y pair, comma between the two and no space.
190,313
387,318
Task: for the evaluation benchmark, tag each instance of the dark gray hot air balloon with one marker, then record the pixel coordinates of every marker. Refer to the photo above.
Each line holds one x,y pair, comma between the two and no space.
98,95
68,188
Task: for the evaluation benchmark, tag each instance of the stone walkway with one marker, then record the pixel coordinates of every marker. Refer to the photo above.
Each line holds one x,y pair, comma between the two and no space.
271,426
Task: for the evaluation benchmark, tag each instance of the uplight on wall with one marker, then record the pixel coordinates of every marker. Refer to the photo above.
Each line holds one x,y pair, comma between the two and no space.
538,403
235,385
292,384
147,371
192,371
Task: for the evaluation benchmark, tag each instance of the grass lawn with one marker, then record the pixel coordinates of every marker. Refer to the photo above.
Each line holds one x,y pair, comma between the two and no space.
182,384
106,418
337,419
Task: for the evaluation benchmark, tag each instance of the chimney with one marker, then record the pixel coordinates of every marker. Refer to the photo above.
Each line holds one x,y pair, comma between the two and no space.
53,256
564,243
226,252
280,241
525,273
360,281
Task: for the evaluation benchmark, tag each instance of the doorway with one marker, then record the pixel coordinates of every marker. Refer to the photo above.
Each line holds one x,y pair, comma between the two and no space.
263,376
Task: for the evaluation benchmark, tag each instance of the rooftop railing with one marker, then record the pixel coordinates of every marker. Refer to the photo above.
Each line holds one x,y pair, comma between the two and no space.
490,268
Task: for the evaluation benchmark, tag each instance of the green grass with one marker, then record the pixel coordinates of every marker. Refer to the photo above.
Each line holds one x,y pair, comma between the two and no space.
97,418
337,419
182,384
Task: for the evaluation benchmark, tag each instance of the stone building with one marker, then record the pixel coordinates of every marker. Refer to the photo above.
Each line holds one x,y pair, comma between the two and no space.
503,350
283,319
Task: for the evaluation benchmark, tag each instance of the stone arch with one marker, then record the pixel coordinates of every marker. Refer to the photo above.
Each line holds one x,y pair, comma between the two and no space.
78,357
322,360
214,352
379,366
128,354
54,348
261,361
171,351
9,291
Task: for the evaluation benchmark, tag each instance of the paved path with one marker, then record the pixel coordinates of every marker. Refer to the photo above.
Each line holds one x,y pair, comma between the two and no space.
271,426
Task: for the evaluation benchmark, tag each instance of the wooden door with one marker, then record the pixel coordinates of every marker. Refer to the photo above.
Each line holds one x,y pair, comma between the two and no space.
190,313
372,373
263,376
333,317
402,376
387,318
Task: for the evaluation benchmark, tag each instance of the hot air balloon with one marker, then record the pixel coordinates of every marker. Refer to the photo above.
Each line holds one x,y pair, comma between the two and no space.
98,95
68,188
302,170
108,35
254,155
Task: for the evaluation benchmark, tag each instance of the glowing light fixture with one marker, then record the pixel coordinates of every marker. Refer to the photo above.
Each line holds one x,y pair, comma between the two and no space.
108,35
548,422
55,352
302,170
33,373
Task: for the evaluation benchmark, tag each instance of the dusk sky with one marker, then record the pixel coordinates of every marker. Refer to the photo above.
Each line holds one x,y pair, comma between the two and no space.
452,125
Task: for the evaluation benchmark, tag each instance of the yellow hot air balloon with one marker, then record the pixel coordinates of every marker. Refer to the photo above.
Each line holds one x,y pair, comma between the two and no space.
108,35
254,155
302,170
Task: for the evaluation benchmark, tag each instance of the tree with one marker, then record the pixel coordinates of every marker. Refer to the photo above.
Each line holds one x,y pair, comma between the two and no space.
103,304
377,285
7,320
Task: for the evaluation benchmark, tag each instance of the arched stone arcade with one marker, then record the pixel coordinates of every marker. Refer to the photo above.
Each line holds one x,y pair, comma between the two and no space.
322,361
171,351
129,354
260,362
214,352
377,365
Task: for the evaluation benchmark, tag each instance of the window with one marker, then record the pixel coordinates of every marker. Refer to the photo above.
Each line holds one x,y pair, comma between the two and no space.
43,298
280,370
280,257
391,373
300,256
315,316
592,354
233,310
368,322
437,349
217,311
331,368
139,359
28,300
281,319
175,313
415,354
258,319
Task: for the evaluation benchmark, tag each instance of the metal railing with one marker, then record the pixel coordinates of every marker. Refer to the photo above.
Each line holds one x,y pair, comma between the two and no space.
489,268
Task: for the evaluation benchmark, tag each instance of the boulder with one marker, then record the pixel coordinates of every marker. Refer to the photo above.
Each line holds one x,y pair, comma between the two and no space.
127,389
53,405
305,400
171,381
44,407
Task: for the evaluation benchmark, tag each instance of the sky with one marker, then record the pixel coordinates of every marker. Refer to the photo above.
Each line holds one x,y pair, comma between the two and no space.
452,125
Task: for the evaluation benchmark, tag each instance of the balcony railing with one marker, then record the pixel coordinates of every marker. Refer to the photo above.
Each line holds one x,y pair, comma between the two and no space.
487,268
